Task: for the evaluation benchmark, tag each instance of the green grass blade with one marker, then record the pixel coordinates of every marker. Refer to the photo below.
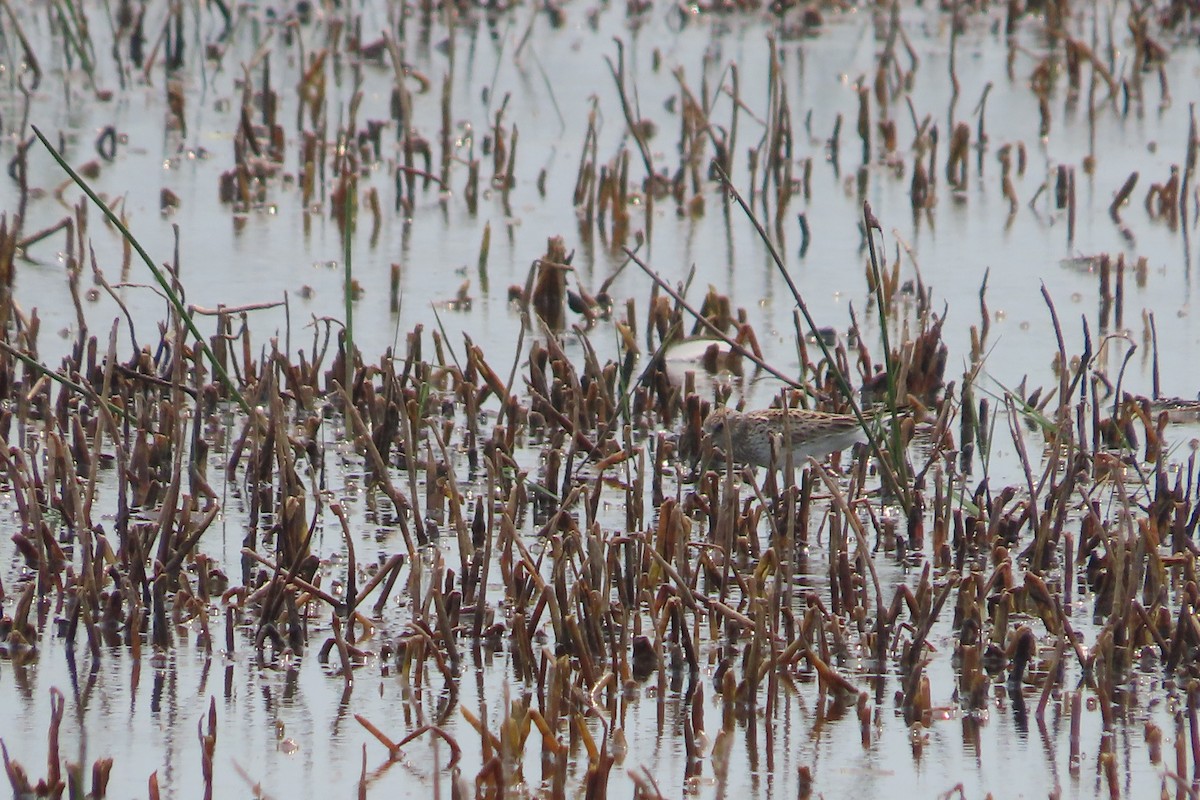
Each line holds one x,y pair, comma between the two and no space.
154,269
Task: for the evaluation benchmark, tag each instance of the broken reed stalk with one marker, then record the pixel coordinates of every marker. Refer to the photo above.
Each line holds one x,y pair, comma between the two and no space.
77,388
172,295
864,551
633,125
381,474
349,210
29,52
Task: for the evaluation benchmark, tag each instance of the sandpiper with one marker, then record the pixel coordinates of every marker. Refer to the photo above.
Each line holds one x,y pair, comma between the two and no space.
748,435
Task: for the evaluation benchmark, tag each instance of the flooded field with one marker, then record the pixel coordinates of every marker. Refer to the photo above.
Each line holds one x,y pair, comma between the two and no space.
357,355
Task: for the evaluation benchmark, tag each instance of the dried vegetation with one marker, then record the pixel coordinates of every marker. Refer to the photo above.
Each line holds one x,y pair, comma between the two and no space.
548,511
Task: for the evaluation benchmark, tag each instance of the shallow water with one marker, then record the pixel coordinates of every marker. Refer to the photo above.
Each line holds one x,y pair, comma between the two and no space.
289,728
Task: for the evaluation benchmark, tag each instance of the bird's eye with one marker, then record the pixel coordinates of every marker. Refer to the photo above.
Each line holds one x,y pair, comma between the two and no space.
716,429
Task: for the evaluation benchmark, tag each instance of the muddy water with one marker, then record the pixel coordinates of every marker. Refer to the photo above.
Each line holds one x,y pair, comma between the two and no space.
288,727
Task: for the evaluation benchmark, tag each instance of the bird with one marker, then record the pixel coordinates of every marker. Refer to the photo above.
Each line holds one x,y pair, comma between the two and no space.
747,436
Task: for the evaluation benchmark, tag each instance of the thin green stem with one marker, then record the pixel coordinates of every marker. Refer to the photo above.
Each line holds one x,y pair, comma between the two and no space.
898,488
871,224
348,290
176,303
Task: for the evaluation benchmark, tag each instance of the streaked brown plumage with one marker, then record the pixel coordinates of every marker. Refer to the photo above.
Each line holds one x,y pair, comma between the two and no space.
809,434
